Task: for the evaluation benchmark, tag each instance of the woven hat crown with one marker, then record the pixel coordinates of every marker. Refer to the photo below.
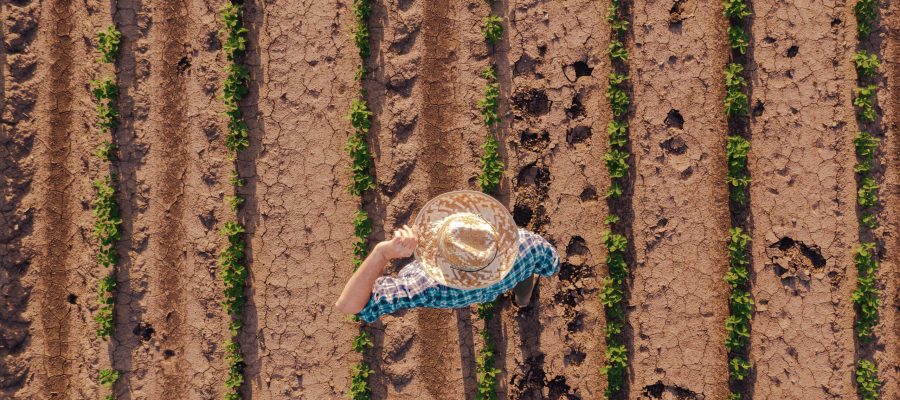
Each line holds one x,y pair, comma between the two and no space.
467,241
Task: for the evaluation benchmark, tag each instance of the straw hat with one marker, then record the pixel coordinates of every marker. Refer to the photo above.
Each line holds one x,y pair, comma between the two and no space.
467,239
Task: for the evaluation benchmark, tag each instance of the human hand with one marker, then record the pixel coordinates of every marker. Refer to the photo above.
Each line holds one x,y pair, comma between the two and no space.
402,245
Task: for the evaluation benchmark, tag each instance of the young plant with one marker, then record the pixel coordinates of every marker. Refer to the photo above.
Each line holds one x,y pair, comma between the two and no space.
490,104
738,38
617,51
867,380
866,63
108,44
618,100
108,377
618,133
614,367
491,166
359,385
866,13
492,28
232,269
358,149
485,373
235,362
616,163
736,9
738,368
867,195
736,149
362,228
106,306
105,91
362,342
865,297
865,101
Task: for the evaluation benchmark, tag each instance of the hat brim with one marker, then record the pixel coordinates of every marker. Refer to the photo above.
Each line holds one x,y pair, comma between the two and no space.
495,213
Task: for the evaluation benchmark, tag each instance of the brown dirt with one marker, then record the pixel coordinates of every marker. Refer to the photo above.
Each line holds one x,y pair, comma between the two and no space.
678,300
426,137
803,200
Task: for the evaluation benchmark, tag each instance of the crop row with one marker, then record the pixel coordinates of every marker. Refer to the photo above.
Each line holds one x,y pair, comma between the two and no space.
492,170
107,221
866,295
361,182
232,268
612,293
737,147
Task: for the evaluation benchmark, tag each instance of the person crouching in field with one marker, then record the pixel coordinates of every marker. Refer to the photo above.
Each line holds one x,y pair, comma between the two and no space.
467,250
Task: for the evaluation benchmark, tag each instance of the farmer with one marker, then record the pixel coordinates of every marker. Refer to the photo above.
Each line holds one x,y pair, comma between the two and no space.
467,250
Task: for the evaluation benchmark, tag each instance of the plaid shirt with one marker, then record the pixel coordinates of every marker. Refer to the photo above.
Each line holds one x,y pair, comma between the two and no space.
413,288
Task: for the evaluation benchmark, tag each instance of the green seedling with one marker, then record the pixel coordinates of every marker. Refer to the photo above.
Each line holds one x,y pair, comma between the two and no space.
736,150
738,368
618,100
232,269
617,51
235,43
618,133
867,195
491,166
107,221
734,77
617,79
738,39
868,220
108,44
867,382
733,396
234,201
235,361
866,13
865,102
866,63
108,377
362,228
611,219
105,91
736,9
738,260
106,306
362,342
615,367
865,297
610,293
359,386
492,28
235,179
615,242
106,151
490,104
485,373
615,190
616,163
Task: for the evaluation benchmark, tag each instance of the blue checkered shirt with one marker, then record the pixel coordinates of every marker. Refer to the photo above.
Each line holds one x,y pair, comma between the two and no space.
413,288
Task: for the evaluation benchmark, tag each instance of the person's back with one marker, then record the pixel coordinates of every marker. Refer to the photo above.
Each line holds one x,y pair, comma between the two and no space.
468,250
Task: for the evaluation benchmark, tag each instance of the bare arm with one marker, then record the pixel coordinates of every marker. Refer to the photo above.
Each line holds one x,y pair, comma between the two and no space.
358,289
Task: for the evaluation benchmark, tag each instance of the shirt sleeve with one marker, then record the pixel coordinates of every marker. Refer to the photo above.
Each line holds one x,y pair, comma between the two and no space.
543,254
410,288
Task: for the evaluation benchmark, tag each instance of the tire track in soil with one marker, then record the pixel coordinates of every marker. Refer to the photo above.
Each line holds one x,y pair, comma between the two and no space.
887,352
802,200
302,63
163,180
678,300
18,62
63,349
555,104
